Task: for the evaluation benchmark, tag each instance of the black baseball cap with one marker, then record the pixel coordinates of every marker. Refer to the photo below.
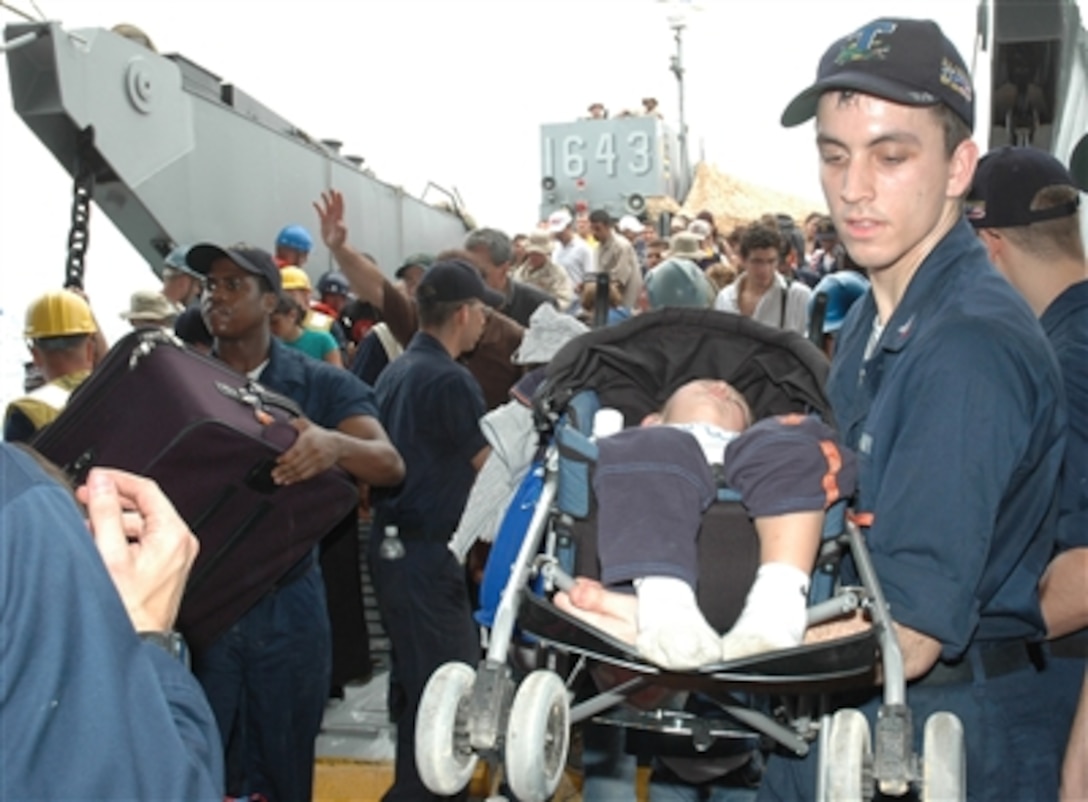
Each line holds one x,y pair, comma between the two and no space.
252,260
1006,182
906,61
455,280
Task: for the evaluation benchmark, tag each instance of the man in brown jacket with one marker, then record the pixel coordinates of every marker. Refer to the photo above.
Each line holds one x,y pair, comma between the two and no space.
490,361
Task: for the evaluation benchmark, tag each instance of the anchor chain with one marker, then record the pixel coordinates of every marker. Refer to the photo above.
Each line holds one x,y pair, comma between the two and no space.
79,234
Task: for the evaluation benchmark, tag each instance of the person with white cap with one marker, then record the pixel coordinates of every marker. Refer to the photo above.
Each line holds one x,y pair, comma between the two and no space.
634,232
539,270
708,251
571,252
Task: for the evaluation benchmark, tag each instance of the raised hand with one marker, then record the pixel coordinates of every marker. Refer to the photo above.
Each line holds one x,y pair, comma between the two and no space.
330,211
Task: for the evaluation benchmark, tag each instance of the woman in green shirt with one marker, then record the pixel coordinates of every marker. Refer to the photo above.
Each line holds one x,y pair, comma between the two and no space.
287,325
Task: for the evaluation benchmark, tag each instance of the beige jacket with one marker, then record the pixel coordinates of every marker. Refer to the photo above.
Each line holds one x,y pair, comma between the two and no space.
617,258
551,278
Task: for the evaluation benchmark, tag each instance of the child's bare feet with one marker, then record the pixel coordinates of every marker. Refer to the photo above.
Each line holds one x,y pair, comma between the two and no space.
663,621
611,612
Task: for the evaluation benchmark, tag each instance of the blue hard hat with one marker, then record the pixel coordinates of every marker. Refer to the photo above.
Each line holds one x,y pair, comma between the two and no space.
296,237
333,282
842,288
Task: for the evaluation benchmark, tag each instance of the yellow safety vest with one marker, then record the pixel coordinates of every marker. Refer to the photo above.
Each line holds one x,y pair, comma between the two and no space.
44,405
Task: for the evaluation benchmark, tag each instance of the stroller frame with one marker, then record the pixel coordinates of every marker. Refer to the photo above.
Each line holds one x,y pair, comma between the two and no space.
525,727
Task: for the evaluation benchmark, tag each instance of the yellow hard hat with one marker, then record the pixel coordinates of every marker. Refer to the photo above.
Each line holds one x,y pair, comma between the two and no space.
294,278
59,314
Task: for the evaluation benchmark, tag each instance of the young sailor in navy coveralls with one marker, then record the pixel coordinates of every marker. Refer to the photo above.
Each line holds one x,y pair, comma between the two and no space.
945,386
431,406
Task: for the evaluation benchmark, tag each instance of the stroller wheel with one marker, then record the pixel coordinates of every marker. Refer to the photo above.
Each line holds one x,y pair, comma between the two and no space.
849,758
537,737
444,757
944,769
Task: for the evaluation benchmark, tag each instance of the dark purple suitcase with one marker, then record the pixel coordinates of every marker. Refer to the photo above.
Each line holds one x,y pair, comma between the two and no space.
209,436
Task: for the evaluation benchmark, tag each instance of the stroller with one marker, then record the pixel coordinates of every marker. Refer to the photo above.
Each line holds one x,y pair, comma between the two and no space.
548,535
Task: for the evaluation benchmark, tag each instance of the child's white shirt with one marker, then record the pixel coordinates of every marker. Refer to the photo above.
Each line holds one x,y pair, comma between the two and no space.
712,439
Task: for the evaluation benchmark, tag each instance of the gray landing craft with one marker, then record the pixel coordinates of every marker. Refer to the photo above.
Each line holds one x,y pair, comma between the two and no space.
152,130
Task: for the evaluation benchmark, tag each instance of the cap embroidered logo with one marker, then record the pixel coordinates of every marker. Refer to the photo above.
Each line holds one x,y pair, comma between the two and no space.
865,45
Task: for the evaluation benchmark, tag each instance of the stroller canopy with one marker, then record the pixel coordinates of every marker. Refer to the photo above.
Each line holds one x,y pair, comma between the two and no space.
636,365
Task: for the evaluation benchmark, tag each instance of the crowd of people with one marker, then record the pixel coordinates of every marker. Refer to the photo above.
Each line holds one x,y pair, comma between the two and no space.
958,386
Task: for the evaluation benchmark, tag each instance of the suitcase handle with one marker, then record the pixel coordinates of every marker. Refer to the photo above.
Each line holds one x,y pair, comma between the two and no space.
251,394
259,398
259,478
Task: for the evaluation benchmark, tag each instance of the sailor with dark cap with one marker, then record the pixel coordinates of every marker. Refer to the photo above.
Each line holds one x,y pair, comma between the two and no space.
180,283
1025,206
267,677
944,384
411,272
431,407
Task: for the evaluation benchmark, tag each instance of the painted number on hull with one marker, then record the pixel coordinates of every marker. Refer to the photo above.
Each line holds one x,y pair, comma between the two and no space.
639,143
573,158
574,163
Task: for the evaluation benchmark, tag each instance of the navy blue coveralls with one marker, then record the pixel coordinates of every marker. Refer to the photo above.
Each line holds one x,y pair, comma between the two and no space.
430,406
87,710
1065,322
958,420
267,677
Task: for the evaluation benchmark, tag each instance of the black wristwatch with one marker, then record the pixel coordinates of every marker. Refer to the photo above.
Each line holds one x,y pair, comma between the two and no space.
170,642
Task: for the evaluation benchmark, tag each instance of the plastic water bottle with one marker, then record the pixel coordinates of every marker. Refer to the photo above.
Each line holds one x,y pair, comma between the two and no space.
392,548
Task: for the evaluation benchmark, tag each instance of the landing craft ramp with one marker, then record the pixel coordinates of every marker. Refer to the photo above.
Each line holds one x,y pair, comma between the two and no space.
178,155
1039,75
1037,54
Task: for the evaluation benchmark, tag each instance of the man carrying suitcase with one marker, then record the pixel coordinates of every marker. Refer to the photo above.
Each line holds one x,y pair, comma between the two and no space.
267,677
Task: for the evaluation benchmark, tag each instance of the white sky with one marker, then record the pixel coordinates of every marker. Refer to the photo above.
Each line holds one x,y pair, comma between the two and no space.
443,91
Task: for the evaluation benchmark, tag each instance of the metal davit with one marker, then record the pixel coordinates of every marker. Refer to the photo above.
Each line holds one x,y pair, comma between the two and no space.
177,155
